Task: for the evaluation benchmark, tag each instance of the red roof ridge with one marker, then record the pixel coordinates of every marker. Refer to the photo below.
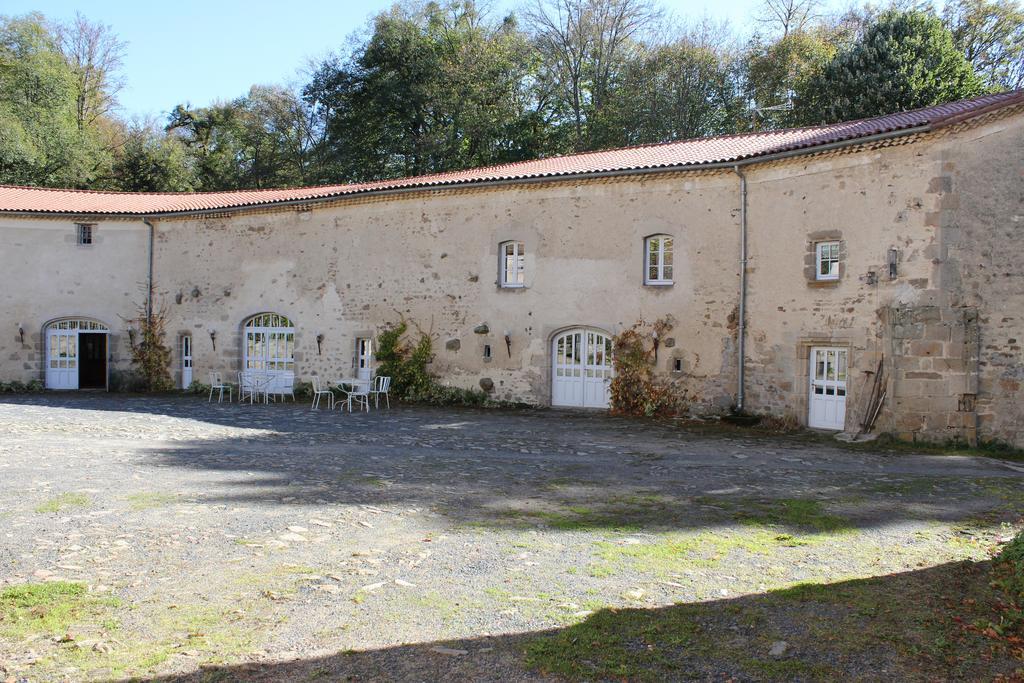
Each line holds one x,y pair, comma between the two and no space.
716,150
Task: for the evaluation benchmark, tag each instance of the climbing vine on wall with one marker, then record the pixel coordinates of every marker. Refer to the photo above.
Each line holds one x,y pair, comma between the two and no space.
404,351
636,389
151,358
404,358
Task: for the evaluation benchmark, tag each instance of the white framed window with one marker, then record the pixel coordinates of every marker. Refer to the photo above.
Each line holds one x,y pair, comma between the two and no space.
513,264
84,234
658,260
826,261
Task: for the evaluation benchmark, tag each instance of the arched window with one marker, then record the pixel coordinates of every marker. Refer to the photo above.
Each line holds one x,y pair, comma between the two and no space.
269,343
658,260
512,264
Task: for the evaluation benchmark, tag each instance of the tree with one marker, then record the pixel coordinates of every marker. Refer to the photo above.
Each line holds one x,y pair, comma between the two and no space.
583,45
432,88
991,35
256,141
40,142
679,90
904,61
94,53
151,161
788,16
775,71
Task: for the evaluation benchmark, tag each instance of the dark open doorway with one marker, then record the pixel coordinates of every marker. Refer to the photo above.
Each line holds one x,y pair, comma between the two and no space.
92,361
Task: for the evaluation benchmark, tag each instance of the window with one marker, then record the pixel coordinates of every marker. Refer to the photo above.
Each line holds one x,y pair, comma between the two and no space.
827,261
658,260
269,343
84,234
513,261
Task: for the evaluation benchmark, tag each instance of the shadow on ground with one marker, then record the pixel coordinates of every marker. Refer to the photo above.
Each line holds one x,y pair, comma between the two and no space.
567,471
913,626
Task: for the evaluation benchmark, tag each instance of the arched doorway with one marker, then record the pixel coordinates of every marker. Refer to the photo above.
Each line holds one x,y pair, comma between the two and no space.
268,346
581,369
76,354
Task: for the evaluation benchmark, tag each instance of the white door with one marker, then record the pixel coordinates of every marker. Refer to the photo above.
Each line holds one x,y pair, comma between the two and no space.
364,358
186,361
62,356
828,388
581,369
269,349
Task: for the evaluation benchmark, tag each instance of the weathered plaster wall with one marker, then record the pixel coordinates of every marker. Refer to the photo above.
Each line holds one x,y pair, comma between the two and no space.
46,274
980,215
345,271
947,324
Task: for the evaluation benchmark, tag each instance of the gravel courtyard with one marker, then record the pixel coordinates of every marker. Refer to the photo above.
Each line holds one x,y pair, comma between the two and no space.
226,542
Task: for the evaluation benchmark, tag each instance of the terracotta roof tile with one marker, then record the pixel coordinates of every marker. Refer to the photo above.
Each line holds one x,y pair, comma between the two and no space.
684,154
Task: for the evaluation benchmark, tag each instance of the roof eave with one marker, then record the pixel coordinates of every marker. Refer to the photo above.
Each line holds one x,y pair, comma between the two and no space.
501,182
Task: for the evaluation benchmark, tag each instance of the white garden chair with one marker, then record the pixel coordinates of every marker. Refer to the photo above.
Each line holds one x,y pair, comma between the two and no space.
246,386
381,386
217,385
357,392
319,391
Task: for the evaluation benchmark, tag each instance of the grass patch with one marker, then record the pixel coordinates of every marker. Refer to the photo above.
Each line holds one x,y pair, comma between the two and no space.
48,608
918,625
622,513
801,515
676,552
149,500
63,502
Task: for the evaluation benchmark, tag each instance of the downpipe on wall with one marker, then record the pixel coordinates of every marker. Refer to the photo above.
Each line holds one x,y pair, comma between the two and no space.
148,287
741,332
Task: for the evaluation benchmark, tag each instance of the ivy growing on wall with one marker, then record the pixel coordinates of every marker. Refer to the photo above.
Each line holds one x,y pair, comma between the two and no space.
404,354
635,389
151,357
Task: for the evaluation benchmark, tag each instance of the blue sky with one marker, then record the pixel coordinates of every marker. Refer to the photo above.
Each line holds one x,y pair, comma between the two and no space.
200,51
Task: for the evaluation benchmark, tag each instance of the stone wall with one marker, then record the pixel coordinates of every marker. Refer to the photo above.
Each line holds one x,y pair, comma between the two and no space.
929,279
45,274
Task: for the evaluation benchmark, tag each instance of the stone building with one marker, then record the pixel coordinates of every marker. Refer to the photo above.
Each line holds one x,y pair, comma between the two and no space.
819,256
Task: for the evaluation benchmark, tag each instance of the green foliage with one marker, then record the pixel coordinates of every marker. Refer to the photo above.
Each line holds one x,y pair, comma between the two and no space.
151,357
40,140
1009,578
990,33
434,87
30,609
152,162
405,359
440,86
904,61
33,386
63,502
635,390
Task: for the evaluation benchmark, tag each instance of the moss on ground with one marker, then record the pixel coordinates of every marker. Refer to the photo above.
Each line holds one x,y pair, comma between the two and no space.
49,608
924,618
63,502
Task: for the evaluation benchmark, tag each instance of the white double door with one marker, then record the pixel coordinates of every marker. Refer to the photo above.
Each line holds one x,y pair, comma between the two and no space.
581,369
828,373
61,358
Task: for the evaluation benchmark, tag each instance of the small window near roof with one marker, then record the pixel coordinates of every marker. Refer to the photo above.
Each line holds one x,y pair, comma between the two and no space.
827,261
658,260
84,234
513,264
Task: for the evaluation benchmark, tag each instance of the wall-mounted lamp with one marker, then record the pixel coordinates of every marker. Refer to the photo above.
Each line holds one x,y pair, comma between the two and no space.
508,342
657,343
21,332
213,339
131,336
319,342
